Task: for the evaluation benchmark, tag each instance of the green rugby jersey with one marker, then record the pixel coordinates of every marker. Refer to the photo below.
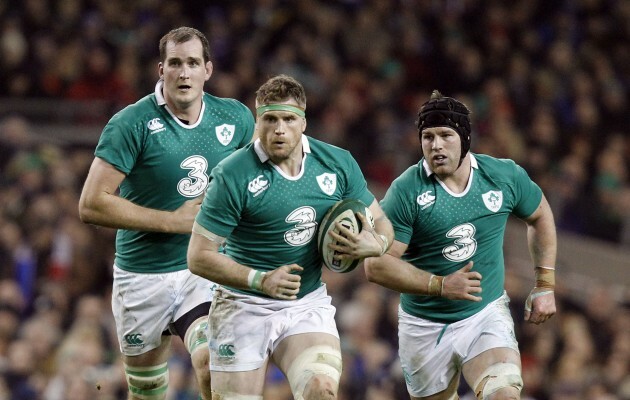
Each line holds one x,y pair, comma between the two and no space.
444,230
167,162
270,219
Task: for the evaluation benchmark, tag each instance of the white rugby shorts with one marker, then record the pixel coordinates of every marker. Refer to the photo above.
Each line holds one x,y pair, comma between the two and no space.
432,353
145,305
244,330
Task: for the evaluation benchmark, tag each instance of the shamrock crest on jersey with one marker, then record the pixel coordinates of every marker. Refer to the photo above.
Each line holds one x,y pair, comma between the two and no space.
225,133
327,182
493,200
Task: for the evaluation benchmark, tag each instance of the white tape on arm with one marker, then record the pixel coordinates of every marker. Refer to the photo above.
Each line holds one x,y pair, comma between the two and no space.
532,296
255,279
207,234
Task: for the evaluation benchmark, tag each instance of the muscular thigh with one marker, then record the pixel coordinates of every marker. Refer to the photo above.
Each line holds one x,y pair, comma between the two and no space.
153,357
242,382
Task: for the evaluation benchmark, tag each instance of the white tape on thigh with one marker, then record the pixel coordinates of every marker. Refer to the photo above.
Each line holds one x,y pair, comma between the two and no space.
147,383
496,377
234,396
196,335
315,360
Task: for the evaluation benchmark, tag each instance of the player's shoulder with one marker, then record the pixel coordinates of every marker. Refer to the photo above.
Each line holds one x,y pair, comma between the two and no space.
226,103
144,109
415,175
240,161
484,159
327,152
497,167
145,105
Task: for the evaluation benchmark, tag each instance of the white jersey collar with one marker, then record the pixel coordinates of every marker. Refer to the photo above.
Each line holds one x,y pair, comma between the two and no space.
262,155
158,93
159,97
473,165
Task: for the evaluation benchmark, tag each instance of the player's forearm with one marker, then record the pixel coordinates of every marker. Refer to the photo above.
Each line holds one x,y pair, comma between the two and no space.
219,268
396,274
541,237
205,261
113,211
542,246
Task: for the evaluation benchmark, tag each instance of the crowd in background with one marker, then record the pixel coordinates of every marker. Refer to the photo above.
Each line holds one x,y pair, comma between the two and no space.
548,85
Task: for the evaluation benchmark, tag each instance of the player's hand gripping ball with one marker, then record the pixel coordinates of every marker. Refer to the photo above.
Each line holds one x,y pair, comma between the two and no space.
343,212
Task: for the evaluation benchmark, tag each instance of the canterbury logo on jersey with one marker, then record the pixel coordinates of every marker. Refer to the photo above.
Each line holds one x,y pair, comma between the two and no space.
258,185
226,351
426,199
155,126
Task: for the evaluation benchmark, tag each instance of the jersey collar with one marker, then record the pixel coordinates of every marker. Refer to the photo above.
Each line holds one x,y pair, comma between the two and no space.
159,97
158,93
427,170
262,155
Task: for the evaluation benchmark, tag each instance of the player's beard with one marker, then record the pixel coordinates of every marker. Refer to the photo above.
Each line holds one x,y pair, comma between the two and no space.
281,152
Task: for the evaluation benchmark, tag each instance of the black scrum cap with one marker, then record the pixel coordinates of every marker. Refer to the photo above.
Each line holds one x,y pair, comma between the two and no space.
446,111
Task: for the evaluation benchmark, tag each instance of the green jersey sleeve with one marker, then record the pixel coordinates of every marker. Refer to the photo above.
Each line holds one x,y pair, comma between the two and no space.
528,193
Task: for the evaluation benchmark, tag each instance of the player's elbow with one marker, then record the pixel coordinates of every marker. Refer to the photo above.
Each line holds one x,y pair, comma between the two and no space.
87,212
195,263
194,268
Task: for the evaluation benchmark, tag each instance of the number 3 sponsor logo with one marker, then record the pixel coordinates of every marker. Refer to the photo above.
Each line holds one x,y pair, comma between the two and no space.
304,228
465,244
197,179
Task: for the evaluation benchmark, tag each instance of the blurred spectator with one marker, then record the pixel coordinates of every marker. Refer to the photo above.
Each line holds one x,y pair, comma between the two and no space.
101,81
21,371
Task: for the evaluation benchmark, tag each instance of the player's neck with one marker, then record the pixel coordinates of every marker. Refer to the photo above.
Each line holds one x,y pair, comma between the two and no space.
458,180
292,165
189,113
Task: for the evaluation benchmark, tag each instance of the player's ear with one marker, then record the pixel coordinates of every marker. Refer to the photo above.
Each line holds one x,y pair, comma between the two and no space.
303,124
209,69
161,70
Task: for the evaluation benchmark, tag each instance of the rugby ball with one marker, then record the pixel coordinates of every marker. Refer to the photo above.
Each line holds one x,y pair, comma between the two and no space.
343,212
